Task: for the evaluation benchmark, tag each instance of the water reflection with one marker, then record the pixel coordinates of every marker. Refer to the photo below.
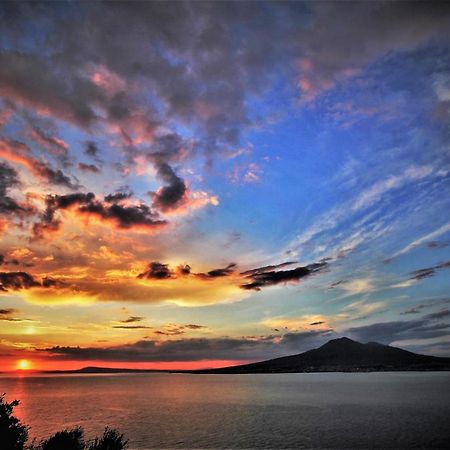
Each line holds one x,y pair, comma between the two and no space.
241,411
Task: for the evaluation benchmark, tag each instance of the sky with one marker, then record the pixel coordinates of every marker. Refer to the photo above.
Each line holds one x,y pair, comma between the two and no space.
199,184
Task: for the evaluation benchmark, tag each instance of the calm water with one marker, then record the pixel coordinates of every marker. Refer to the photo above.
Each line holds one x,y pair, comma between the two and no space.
240,411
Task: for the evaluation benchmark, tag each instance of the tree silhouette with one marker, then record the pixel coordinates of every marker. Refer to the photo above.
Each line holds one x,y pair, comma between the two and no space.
13,434
111,440
66,439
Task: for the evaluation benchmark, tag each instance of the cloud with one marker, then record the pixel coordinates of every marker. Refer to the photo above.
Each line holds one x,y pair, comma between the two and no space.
176,330
267,268
388,332
91,149
19,153
118,196
23,280
9,315
336,51
434,234
222,272
132,319
8,179
439,315
124,217
17,281
157,271
88,168
375,192
259,280
357,286
429,303
52,144
438,244
32,81
196,349
415,310
427,272
169,197
195,75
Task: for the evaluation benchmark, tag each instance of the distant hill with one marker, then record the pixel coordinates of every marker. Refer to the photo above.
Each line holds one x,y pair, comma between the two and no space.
93,369
344,355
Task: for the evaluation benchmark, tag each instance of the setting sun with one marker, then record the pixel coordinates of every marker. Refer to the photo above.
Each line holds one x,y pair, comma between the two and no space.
24,364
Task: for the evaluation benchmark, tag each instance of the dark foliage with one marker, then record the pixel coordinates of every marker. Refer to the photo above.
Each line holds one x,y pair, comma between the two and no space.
111,440
66,439
13,434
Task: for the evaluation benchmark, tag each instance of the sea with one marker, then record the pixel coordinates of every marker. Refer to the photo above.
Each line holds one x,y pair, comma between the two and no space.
313,410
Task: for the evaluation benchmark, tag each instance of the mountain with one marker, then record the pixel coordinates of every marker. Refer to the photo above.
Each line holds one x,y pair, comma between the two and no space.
344,355
94,370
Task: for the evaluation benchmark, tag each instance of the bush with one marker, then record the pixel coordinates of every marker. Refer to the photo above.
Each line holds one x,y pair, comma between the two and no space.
66,439
111,440
13,434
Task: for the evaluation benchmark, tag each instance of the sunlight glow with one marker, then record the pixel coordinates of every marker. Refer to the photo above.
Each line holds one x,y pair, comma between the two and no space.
24,364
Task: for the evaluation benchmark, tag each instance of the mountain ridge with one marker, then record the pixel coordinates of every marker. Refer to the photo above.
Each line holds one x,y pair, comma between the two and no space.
343,355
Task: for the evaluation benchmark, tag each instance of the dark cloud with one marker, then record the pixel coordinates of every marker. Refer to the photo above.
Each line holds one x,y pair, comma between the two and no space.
415,310
173,194
124,216
53,144
118,196
217,273
213,56
316,323
48,282
169,333
175,330
427,272
196,349
193,326
16,281
426,304
438,244
132,327
19,153
33,81
337,283
223,272
156,271
8,179
184,269
267,268
335,50
54,203
438,315
260,280
9,315
86,203
91,149
54,176
388,332
23,280
14,262
132,319
88,168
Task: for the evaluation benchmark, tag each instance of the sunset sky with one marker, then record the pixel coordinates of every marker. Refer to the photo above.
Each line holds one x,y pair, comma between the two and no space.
203,184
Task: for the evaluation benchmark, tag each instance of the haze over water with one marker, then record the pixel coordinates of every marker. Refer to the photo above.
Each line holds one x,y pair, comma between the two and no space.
240,411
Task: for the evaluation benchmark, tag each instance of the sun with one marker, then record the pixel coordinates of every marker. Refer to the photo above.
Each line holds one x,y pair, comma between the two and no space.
23,364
